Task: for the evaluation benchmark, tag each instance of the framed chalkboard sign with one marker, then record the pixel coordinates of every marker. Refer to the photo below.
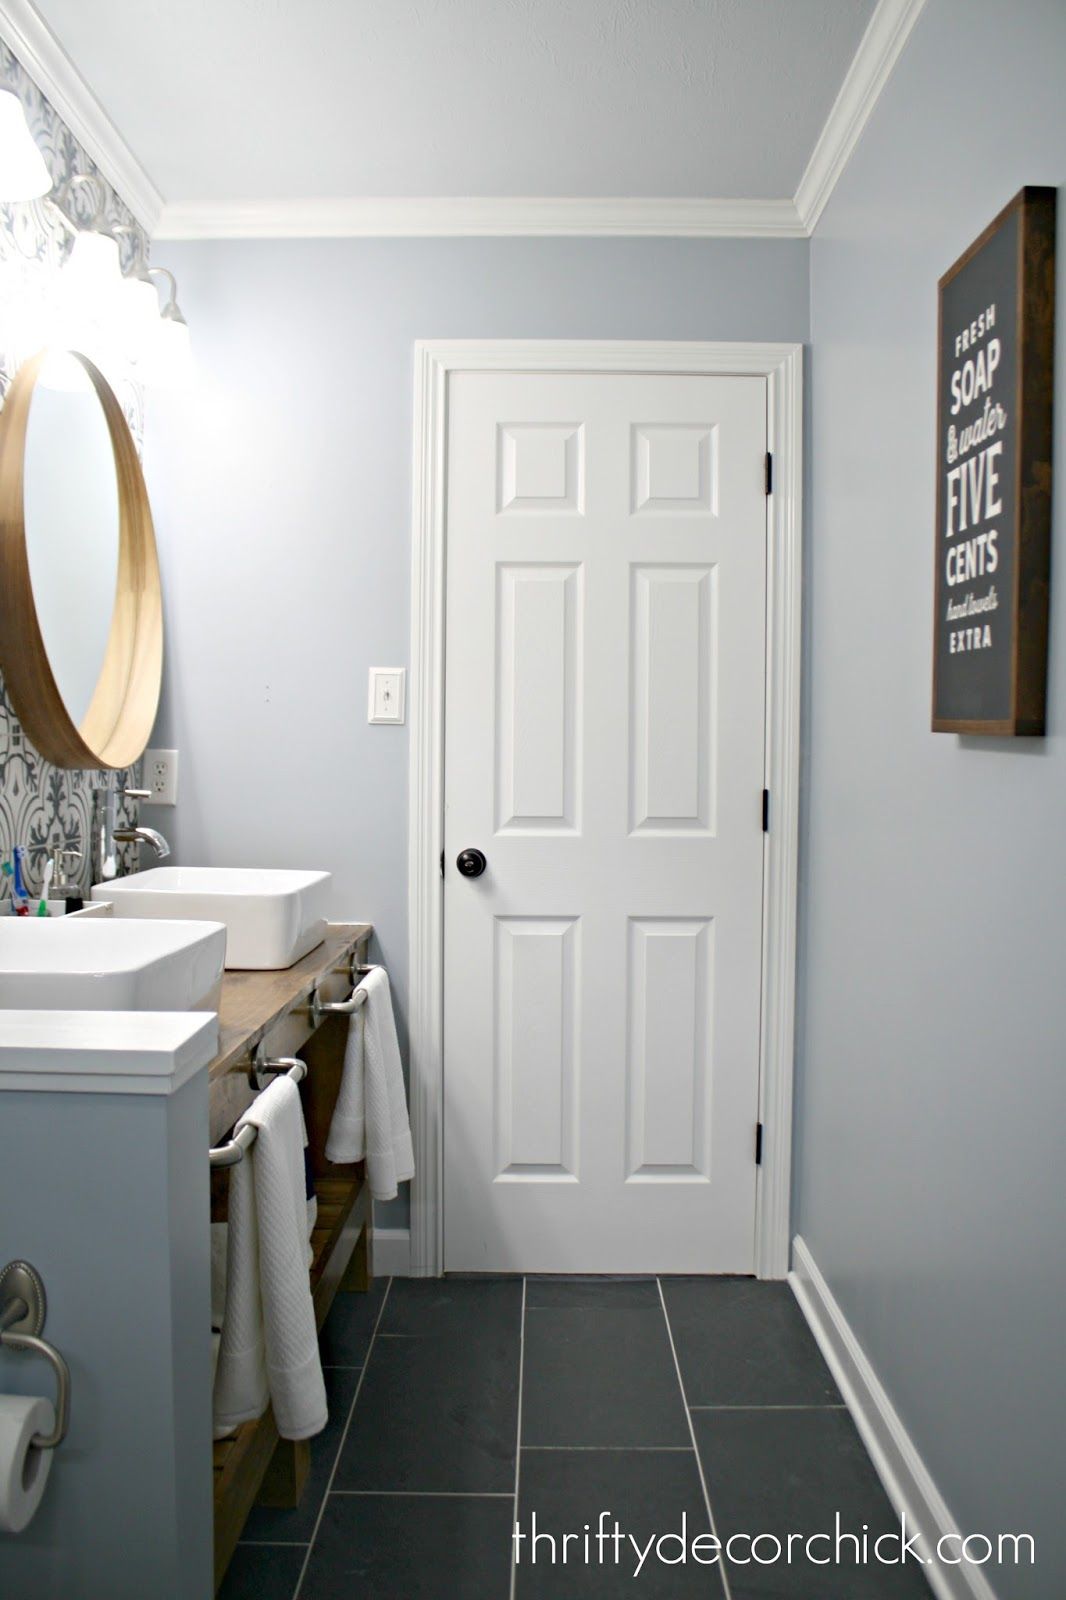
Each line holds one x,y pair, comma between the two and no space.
993,518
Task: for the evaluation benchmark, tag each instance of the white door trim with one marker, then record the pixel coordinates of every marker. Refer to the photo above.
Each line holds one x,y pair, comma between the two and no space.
782,366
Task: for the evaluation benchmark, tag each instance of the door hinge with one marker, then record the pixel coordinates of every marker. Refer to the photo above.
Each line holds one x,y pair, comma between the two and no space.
769,473
758,1144
766,811
442,863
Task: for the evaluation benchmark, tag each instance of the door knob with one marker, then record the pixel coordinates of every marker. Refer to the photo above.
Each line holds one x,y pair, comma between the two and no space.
471,863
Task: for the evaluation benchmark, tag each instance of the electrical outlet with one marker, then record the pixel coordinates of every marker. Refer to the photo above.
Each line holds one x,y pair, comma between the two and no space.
161,776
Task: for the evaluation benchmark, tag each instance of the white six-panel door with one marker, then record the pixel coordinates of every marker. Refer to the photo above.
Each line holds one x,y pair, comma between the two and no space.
604,749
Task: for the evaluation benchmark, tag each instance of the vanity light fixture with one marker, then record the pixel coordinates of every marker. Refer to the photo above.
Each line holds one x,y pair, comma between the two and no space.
168,362
139,313
140,308
114,317
92,275
23,174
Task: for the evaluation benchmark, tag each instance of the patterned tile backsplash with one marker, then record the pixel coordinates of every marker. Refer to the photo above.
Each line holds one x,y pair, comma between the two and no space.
42,806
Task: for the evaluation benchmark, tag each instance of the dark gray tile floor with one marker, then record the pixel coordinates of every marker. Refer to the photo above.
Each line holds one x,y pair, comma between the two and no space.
643,1405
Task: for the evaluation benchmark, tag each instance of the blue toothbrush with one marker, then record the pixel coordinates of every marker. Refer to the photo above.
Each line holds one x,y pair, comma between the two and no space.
21,897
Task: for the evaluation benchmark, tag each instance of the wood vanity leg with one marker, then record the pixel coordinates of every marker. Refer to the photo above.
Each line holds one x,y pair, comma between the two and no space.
357,1274
286,1475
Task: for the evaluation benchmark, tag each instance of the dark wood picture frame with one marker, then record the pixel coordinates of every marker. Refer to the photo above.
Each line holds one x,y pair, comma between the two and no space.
1007,694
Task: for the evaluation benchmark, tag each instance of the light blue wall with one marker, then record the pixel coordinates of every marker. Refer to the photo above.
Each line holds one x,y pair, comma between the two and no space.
931,1097
282,491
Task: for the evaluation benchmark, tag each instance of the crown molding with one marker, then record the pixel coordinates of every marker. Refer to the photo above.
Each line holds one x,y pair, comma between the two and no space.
879,49
490,216
40,53
37,49
681,218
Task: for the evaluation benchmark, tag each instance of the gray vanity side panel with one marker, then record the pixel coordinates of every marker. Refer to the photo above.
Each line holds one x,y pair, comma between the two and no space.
931,1097
189,1192
108,1195
281,490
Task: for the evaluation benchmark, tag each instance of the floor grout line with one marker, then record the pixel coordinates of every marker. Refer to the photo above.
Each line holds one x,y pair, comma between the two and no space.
518,1442
692,1435
829,1405
624,1449
344,1440
271,1544
425,1494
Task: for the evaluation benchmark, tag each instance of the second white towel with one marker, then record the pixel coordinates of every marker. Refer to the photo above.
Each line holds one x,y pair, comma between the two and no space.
269,1341
370,1118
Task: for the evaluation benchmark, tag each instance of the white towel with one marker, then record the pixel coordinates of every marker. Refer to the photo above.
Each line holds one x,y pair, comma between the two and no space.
269,1343
219,1243
219,1276
240,1370
370,1118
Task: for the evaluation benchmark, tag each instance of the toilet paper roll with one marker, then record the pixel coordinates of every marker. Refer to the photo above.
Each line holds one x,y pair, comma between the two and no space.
23,1468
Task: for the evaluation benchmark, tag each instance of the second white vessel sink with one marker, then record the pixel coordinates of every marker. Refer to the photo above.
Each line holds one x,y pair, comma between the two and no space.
100,964
272,916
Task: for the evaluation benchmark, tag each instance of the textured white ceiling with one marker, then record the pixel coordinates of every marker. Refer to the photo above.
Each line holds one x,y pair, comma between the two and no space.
226,100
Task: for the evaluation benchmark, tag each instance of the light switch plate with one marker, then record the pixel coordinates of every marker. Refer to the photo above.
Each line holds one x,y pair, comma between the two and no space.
160,770
386,699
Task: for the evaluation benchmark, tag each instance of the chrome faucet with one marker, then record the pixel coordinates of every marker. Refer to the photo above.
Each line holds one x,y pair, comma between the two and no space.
106,836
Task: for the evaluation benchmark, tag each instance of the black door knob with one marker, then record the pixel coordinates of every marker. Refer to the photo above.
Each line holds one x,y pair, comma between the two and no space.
471,863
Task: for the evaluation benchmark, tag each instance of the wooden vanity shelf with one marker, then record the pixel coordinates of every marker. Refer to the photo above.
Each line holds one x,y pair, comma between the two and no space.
254,1463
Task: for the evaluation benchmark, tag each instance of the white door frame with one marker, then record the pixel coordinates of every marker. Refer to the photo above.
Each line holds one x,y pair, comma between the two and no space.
782,366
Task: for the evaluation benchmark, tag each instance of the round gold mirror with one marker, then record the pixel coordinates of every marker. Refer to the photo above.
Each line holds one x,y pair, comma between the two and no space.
81,632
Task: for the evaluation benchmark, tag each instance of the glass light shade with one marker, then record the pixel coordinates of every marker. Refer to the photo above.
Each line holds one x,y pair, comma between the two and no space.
167,362
140,302
93,272
88,301
138,316
23,174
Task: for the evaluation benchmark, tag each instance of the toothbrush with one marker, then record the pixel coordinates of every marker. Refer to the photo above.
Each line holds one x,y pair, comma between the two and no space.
21,897
46,884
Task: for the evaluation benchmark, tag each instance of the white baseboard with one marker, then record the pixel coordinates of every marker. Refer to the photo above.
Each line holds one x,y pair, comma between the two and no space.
392,1252
905,1476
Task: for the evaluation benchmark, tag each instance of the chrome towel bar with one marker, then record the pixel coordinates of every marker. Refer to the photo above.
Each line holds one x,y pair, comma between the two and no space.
318,1009
230,1153
344,1008
261,1068
354,968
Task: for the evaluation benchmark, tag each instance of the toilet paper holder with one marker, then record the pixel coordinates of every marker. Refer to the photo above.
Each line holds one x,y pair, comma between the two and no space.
23,1307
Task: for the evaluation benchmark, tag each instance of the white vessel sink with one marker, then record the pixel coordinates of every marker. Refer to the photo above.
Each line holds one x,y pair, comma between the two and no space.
272,917
100,964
